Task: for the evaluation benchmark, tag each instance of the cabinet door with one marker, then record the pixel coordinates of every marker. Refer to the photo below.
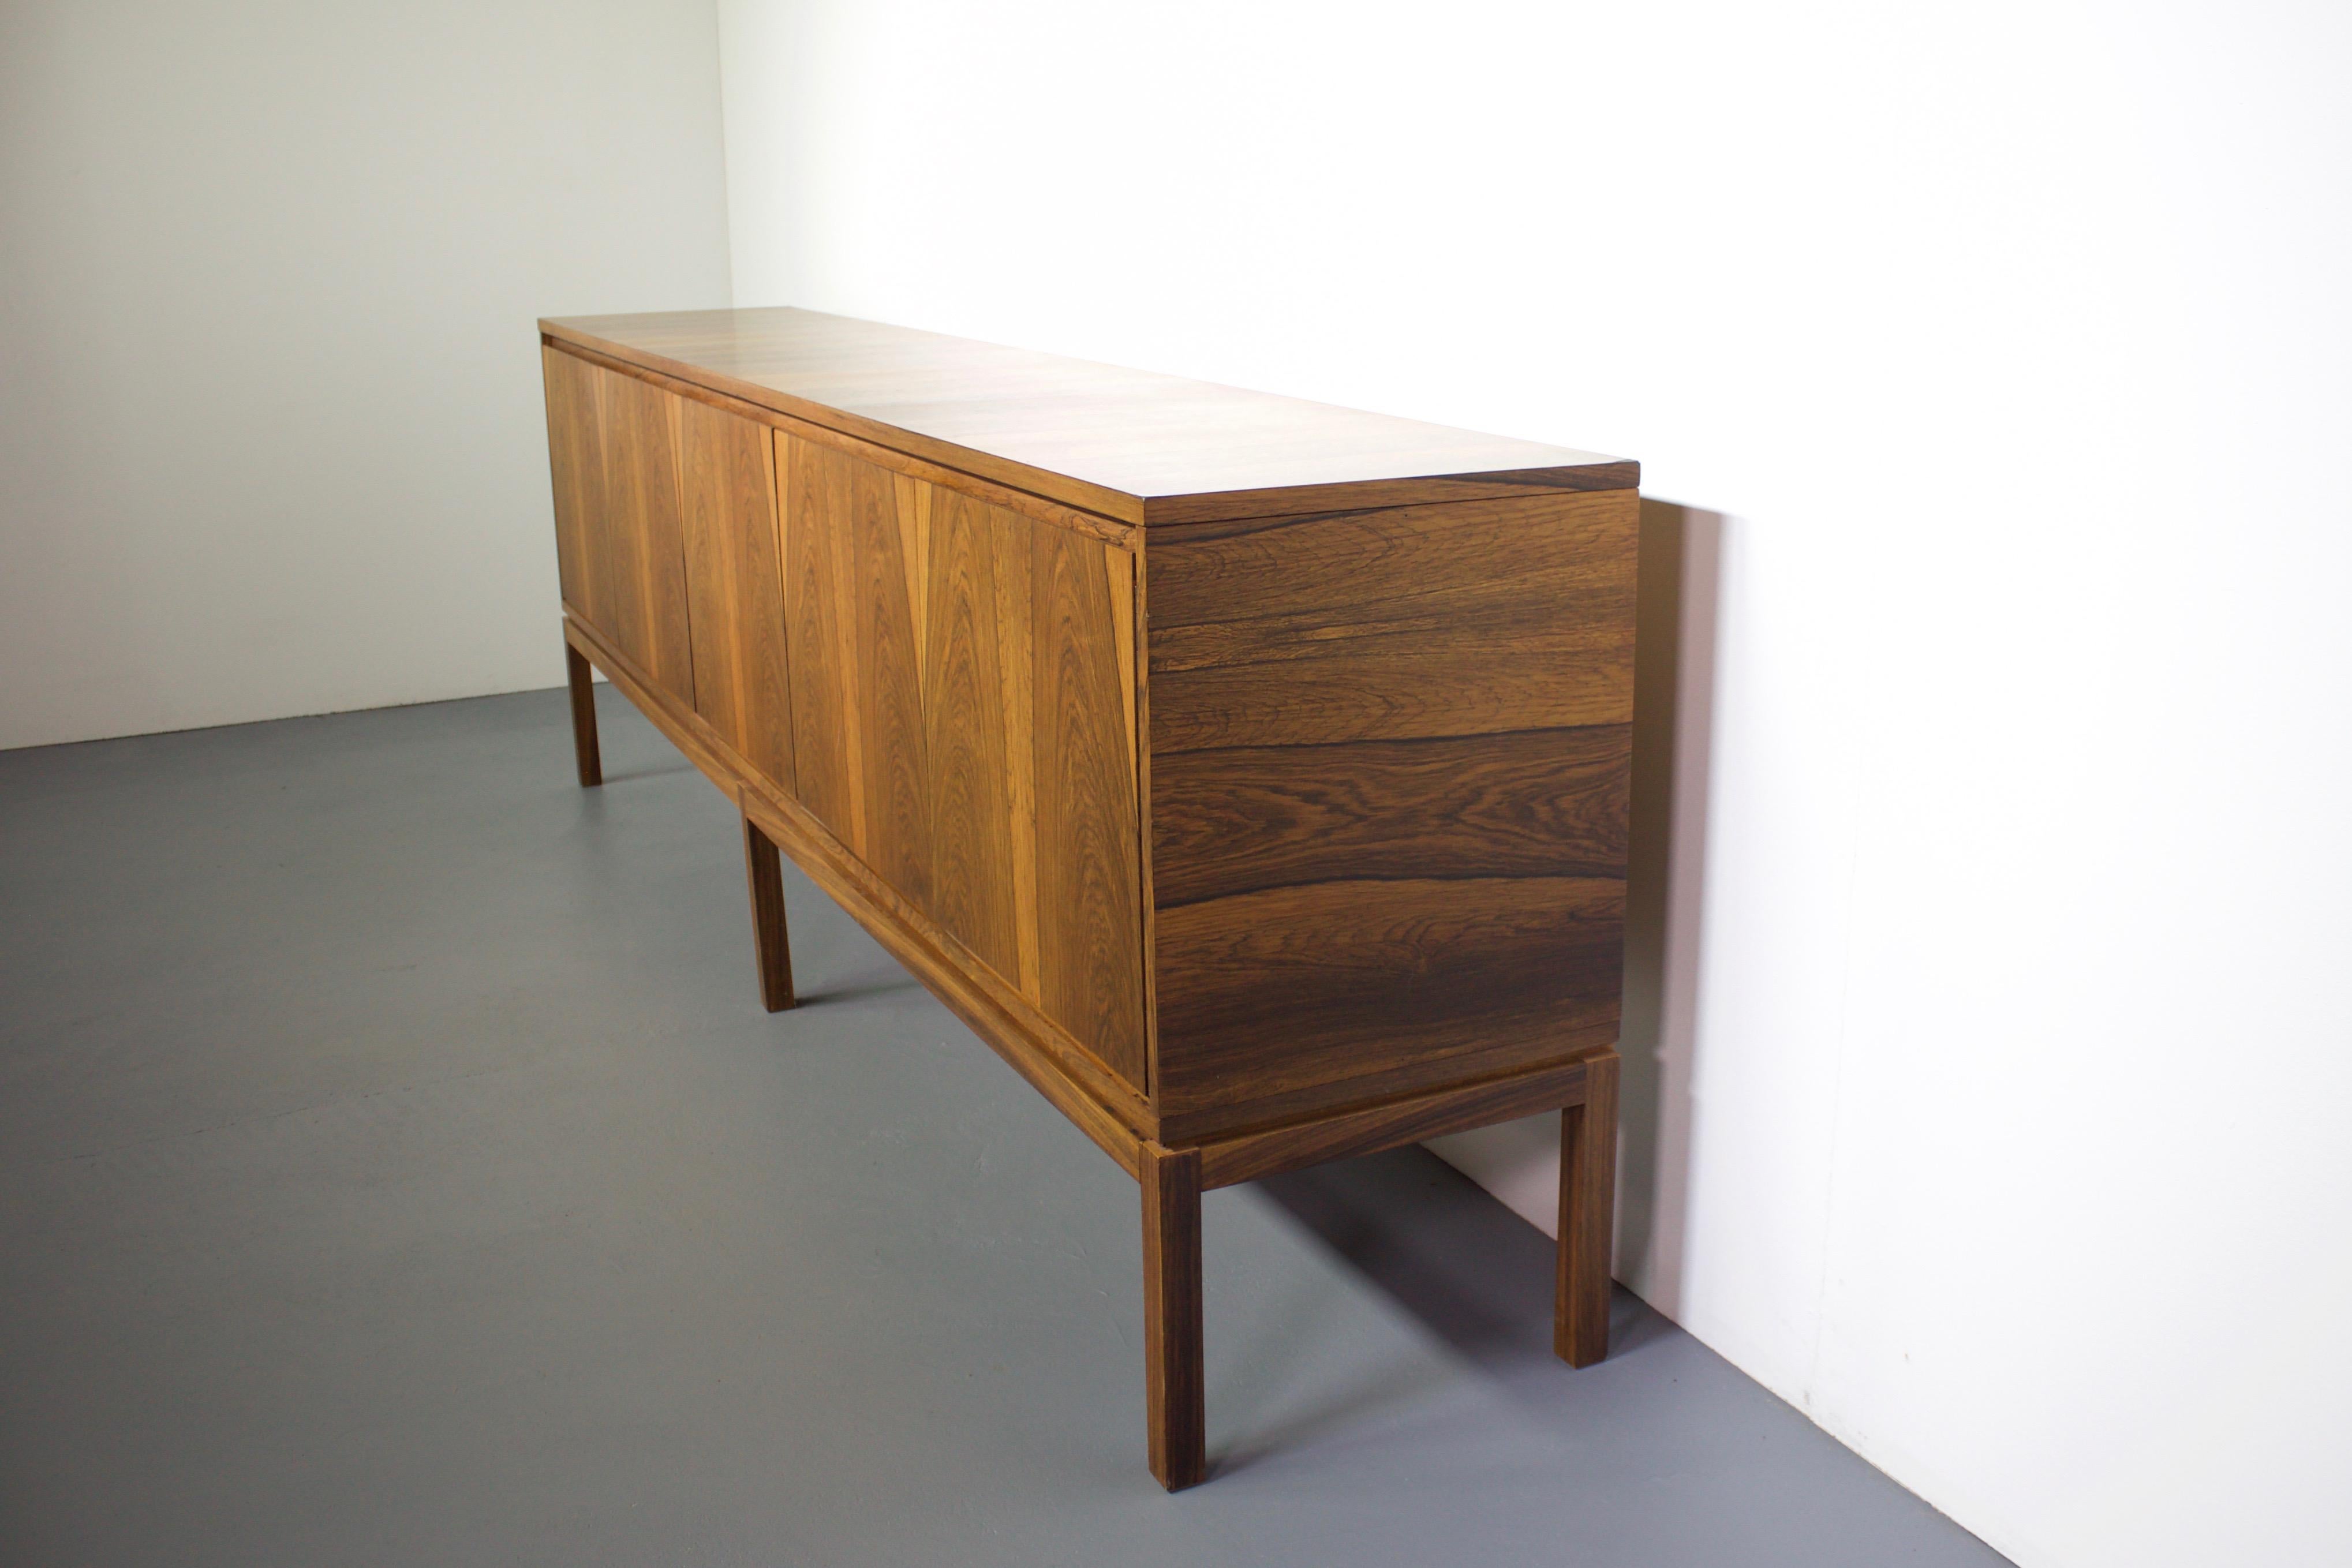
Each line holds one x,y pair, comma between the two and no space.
1089,905
575,454
977,716
613,447
734,586
963,719
642,573
856,668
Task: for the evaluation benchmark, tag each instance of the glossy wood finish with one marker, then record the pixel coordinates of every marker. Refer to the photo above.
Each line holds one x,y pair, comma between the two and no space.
770,945
575,459
1523,803
643,543
1174,1390
1089,921
613,442
1403,622
1027,504
978,708
1254,826
1588,1192
1390,756
585,750
1129,444
959,726
734,582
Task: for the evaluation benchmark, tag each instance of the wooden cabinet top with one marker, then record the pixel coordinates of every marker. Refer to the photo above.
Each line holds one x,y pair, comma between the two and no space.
1129,444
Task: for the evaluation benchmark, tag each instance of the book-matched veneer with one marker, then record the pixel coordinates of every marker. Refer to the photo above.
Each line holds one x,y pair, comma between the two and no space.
1250,774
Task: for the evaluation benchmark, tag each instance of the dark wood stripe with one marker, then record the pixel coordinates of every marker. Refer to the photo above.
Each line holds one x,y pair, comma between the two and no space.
1424,686
1389,1125
1550,549
1273,991
1411,621
1543,803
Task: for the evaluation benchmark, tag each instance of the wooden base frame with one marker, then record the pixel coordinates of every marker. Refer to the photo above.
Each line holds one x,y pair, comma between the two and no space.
1172,1175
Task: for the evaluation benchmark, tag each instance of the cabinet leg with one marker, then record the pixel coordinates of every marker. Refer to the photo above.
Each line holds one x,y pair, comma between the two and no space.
769,942
1171,1315
583,718
1587,1191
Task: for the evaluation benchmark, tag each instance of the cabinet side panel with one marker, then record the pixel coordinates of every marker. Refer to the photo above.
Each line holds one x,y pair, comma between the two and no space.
1390,755
1089,895
735,587
645,536
575,458
820,619
1470,618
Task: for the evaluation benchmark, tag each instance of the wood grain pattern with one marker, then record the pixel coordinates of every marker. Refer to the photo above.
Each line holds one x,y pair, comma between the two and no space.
684,729
1174,1387
584,752
988,492
1316,850
1294,988
1390,1124
575,457
886,528
1390,756
1090,902
1104,1120
735,590
1128,444
1588,1190
963,725
1013,573
1540,802
1411,621
975,700
770,945
1110,1111
820,634
1552,547
643,567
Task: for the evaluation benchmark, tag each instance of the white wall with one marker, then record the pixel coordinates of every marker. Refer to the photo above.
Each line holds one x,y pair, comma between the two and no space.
270,430
1990,1069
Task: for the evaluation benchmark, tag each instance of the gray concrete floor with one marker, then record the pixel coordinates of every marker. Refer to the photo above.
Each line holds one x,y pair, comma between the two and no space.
398,1168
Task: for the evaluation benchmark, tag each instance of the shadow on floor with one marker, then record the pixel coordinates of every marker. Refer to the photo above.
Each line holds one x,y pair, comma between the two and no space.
1467,1270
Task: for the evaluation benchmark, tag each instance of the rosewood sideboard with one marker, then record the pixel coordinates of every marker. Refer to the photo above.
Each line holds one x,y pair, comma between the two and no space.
1251,774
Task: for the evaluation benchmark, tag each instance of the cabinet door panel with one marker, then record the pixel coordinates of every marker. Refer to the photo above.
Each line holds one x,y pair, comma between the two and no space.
575,455
1089,904
854,552
820,634
644,550
963,721
977,708
889,518
614,452
734,585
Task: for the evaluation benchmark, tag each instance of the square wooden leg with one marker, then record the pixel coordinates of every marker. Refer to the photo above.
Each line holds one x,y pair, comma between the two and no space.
770,944
1588,1192
583,718
1171,1315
